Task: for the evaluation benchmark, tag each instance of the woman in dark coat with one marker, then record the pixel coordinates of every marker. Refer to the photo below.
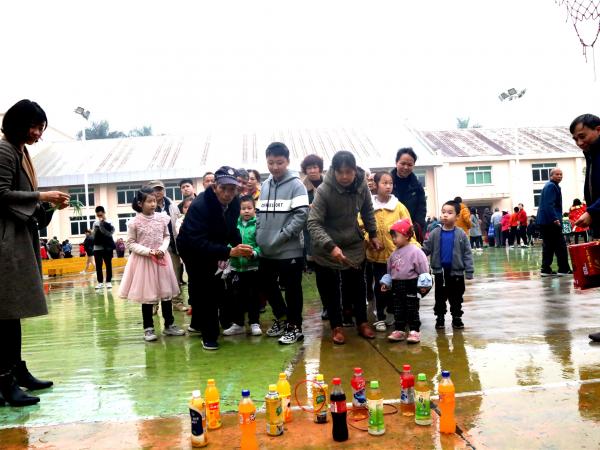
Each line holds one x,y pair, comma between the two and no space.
23,211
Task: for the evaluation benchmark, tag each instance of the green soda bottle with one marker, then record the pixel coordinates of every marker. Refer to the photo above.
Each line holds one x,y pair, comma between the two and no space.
375,406
422,401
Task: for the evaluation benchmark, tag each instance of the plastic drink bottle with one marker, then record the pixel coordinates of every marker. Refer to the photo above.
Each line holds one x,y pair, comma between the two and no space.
319,392
375,405
422,401
359,397
285,394
213,405
407,393
274,413
247,416
447,403
198,418
338,411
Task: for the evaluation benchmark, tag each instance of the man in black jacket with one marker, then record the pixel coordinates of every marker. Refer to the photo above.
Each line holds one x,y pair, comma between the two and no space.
208,235
585,130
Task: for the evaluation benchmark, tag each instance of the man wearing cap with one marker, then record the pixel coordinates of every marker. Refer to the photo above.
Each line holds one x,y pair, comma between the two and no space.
209,234
166,206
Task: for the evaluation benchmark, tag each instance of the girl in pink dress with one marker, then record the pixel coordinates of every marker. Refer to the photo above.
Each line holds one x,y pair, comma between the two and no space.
149,276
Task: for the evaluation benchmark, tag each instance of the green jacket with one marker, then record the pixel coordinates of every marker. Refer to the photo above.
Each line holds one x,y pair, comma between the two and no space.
248,233
333,220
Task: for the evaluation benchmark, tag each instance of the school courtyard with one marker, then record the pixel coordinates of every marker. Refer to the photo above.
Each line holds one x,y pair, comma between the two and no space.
526,374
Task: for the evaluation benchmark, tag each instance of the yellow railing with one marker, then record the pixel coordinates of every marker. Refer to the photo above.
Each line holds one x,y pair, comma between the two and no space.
65,266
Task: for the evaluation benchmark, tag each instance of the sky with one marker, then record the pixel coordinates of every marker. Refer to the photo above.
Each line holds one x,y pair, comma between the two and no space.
185,67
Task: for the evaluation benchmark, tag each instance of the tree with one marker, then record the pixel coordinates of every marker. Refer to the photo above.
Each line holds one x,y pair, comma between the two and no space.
146,130
101,130
462,123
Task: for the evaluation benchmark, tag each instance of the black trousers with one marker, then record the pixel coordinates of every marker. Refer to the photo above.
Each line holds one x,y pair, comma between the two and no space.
583,234
505,238
383,300
245,296
167,313
348,284
288,274
448,288
10,350
105,255
406,305
369,274
514,236
523,234
553,243
476,241
206,291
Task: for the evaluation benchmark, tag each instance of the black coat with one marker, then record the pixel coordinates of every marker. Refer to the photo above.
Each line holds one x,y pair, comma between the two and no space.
208,233
591,187
413,197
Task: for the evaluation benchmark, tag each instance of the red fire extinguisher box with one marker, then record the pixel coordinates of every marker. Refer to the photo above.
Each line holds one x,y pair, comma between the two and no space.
585,259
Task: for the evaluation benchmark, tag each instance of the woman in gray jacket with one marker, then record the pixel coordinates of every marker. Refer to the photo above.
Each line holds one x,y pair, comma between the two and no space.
338,243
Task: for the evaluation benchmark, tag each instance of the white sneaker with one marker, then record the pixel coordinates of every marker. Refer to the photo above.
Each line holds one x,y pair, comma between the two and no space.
193,330
173,330
108,285
233,330
380,325
149,335
255,329
389,319
99,286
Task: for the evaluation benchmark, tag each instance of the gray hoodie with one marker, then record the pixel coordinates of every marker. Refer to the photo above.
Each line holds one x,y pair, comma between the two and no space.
462,258
281,213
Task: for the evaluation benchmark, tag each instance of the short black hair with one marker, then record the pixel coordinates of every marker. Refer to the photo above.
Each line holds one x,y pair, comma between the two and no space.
242,173
140,198
186,181
207,173
277,149
99,209
343,158
406,151
576,202
19,118
455,205
311,160
246,198
378,175
256,174
516,209
587,120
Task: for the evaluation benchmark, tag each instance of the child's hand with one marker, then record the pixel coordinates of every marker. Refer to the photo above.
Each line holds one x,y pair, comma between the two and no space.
384,288
152,252
159,254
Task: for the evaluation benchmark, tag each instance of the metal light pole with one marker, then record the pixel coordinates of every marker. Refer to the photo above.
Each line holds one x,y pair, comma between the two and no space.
85,114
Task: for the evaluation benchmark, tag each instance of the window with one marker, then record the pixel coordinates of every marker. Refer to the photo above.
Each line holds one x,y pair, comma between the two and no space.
79,225
123,219
173,192
541,172
479,175
126,193
537,194
420,174
78,193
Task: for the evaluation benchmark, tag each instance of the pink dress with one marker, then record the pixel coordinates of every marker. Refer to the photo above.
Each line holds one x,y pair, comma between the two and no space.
144,280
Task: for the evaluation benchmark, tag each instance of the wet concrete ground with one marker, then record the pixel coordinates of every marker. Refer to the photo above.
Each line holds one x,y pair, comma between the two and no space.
524,369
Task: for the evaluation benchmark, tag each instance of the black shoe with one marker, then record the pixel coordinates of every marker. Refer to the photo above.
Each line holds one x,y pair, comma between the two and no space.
324,315
13,394
457,323
440,324
548,273
595,337
26,380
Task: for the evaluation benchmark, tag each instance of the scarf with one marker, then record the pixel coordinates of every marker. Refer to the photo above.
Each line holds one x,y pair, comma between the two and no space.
27,165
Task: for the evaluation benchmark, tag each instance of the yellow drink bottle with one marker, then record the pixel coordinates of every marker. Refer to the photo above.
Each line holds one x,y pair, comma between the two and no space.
198,418
213,405
320,395
274,413
285,394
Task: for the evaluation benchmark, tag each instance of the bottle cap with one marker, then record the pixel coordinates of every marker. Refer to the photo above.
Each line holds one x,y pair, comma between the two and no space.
319,377
422,377
374,384
282,376
406,367
273,387
210,381
196,393
357,370
445,374
337,381
245,393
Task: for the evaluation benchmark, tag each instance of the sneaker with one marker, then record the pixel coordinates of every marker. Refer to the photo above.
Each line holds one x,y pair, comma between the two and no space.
389,319
193,330
173,330
210,345
397,336
440,324
277,329
149,335
291,335
108,285
524,246
180,307
547,273
457,323
154,309
99,286
595,337
234,329
562,274
380,325
255,329
414,337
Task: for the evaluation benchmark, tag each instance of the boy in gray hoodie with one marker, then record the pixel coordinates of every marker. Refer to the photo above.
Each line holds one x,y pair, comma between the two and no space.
281,214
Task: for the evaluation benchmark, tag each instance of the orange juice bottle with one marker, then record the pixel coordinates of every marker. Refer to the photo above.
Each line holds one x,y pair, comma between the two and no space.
198,417
447,404
285,394
247,416
213,405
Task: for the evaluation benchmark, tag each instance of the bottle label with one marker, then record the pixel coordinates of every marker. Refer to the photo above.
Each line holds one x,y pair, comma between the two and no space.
197,422
376,422
407,396
359,399
274,429
286,404
213,414
247,418
422,405
339,407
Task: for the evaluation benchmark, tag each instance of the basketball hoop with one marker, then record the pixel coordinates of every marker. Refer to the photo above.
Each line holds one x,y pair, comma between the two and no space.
585,15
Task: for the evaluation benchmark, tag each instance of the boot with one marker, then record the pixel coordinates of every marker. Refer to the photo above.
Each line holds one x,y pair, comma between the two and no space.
26,380
13,394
